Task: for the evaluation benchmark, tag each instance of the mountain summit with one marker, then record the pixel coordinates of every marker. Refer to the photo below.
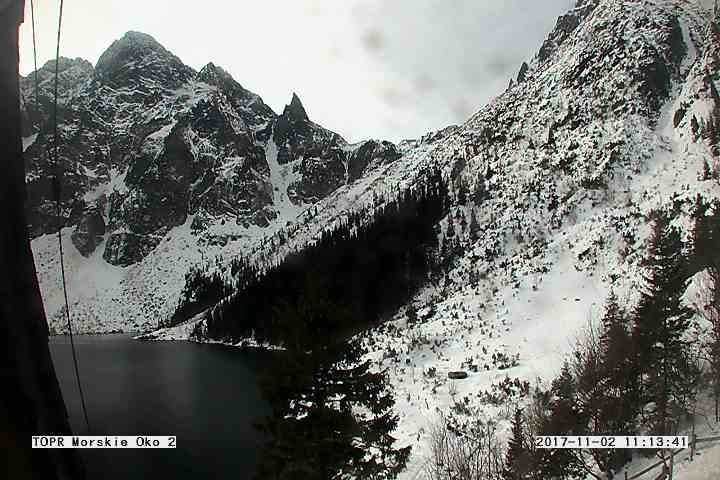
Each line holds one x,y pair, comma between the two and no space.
137,56
159,159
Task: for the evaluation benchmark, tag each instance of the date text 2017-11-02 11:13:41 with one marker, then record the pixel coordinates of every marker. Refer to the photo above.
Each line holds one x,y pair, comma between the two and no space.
609,441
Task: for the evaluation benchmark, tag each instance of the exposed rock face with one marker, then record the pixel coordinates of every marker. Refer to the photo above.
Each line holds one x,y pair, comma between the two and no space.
72,74
137,57
295,111
369,155
319,154
292,131
565,26
125,248
656,73
322,169
296,136
248,105
162,142
89,232
522,72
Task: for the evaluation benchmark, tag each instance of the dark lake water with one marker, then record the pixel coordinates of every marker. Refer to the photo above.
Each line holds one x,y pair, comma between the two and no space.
207,395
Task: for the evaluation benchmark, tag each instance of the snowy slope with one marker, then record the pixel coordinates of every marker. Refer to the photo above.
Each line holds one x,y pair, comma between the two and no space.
611,122
614,118
536,315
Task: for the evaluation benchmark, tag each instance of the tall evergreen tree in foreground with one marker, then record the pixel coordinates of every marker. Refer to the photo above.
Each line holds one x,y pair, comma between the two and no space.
332,416
706,257
639,369
562,419
618,394
518,459
617,369
711,311
704,236
660,321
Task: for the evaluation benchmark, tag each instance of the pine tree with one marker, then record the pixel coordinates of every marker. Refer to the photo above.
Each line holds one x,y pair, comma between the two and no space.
694,128
711,311
706,172
480,193
563,420
450,230
616,364
462,192
518,459
590,394
701,235
705,235
660,321
411,315
316,389
709,132
554,201
463,222
618,398
474,226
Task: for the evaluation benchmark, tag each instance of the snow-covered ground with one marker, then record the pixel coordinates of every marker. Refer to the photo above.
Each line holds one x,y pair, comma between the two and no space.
551,269
281,177
544,293
705,464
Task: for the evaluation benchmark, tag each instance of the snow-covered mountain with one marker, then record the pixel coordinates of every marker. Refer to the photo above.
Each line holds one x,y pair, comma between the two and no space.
162,167
613,118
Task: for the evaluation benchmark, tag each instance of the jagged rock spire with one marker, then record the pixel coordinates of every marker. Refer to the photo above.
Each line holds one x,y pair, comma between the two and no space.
523,72
295,110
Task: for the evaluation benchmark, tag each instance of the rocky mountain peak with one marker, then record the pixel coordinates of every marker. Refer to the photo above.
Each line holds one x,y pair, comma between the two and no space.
214,74
523,72
65,63
131,46
71,71
138,55
565,26
140,38
295,111
218,77
250,107
292,123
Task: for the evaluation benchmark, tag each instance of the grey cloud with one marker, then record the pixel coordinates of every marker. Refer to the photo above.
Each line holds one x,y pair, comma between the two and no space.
366,68
455,56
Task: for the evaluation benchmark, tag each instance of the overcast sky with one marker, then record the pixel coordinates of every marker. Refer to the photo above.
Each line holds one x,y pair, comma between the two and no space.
389,69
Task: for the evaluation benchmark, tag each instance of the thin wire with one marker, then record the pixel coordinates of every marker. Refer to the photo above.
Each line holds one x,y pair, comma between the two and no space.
56,189
37,82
